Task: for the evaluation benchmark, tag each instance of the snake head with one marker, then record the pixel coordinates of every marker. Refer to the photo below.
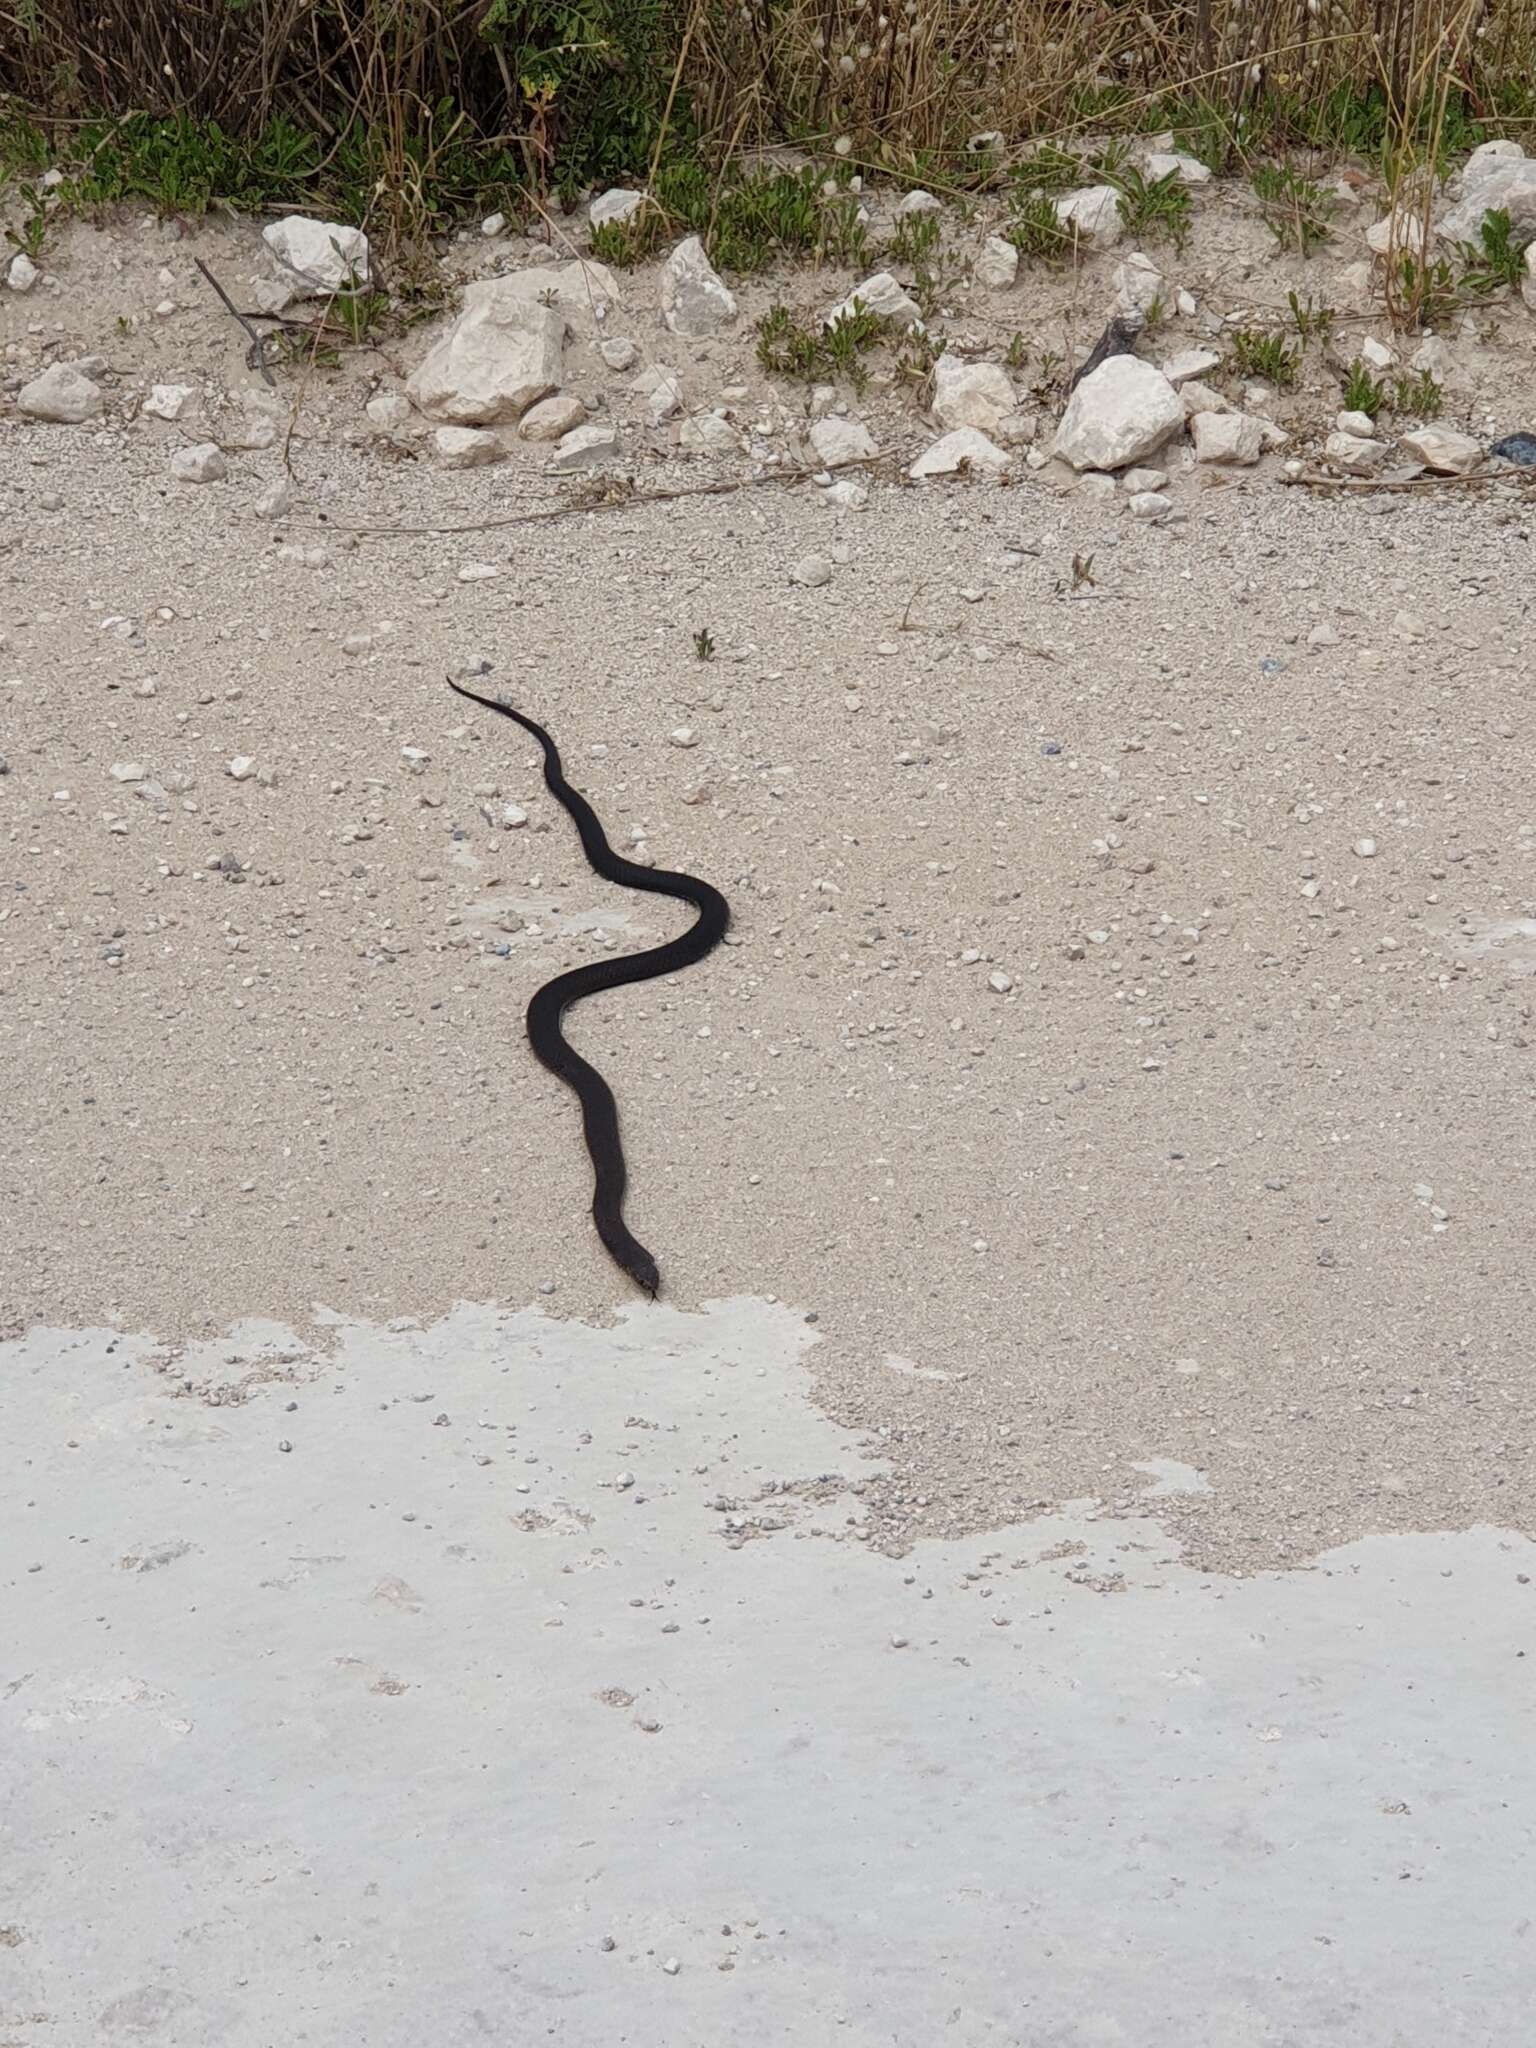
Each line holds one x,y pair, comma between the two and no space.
646,1273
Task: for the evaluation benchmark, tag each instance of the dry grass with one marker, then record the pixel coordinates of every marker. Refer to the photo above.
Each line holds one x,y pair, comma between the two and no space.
417,97
904,80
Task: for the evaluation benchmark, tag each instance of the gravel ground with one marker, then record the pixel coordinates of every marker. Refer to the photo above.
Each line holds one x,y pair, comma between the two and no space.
1123,1050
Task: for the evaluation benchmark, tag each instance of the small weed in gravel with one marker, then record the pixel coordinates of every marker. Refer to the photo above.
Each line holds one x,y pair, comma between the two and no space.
1270,356
1363,392
1153,206
1495,261
1296,212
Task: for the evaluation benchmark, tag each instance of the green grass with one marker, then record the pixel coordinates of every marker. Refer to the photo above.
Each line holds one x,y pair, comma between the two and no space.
746,225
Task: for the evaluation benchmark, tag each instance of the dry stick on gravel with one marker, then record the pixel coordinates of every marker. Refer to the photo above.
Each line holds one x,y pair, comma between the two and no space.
575,507
1480,478
258,355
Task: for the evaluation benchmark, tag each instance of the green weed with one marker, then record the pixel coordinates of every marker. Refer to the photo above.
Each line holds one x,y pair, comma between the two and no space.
1495,260
1417,396
1296,211
1269,356
1152,207
1425,291
1036,231
1311,321
33,232
1363,392
788,347
914,240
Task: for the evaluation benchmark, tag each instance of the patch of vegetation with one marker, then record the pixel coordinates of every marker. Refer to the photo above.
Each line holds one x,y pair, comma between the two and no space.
1152,206
621,244
1255,353
1311,321
1421,293
704,644
811,354
1295,210
1052,368
914,240
745,225
1417,395
33,232
1047,168
1036,231
1495,260
1363,392
1017,353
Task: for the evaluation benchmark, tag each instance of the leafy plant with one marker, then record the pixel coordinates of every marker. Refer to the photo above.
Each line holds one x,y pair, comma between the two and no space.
915,238
33,232
1017,353
1417,396
623,243
1495,260
1152,207
704,644
787,347
1311,321
1036,230
1258,354
1363,392
1424,293
847,340
1296,211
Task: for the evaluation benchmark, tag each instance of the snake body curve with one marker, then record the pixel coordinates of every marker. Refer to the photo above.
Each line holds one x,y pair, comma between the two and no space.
599,1111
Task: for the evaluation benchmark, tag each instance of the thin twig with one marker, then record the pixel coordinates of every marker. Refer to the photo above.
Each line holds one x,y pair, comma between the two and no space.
575,508
258,341
1480,477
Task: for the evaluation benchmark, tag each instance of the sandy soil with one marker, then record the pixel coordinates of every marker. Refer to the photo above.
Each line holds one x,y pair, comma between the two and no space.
1234,1170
